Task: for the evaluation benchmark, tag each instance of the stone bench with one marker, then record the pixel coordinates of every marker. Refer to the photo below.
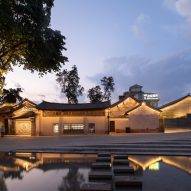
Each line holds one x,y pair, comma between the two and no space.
128,181
104,155
101,166
120,157
100,175
96,187
121,162
123,169
103,159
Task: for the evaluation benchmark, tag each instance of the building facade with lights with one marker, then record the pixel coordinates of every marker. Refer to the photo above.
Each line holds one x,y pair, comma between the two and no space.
177,114
131,114
46,119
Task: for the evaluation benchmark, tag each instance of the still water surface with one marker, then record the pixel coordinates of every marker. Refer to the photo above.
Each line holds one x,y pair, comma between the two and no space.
68,172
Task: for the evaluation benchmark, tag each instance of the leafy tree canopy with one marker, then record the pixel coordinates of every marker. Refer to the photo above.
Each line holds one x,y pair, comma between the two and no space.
26,38
96,94
11,95
108,87
69,82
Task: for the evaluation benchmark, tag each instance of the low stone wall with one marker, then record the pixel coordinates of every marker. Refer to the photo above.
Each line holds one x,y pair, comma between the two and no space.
157,130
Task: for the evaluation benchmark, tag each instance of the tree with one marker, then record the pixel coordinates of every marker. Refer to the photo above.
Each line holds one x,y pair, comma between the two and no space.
26,38
72,181
11,95
95,94
69,82
3,186
108,86
2,83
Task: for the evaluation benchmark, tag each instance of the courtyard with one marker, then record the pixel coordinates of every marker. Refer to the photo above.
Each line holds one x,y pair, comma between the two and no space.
10,143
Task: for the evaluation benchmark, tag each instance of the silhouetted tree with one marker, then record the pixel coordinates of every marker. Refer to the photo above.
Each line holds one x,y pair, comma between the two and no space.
11,95
69,82
3,186
26,38
108,86
14,174
95,94
2,83
72,181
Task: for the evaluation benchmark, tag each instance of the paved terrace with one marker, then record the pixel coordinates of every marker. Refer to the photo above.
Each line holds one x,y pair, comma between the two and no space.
155,143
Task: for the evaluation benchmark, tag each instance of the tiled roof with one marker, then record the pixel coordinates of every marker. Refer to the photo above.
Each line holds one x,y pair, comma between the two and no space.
20,105
156,109
123,99
25,115
80,106
175,101
6,109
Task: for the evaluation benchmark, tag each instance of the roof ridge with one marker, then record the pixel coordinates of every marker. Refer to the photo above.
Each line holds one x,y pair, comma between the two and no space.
175,101
73,103
134,108
129,96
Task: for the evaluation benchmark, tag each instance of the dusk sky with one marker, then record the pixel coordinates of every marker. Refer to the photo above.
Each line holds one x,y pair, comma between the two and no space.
146,42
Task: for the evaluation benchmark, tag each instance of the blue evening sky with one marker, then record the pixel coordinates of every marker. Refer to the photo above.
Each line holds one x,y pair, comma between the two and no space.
146,42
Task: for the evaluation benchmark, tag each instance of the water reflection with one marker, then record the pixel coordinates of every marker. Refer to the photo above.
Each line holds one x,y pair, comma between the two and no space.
148,162
3,186
72,181
67,172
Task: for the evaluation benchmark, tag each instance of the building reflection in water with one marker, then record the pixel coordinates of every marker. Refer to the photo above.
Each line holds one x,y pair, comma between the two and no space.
74,168
152,162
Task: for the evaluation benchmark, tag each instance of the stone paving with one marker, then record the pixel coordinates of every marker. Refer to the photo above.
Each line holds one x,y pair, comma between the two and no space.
156,143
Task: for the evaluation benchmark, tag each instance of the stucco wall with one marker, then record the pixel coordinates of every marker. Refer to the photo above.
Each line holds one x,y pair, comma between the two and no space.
144,122
101,123
120,125
144,118
179,109
46,123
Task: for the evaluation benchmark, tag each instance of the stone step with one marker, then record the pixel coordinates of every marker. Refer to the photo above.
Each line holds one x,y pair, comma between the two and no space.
104,155
95,186
121,162
128,189
103,159
128,181
126,150
123,169
101,165
100,175
79,150
120,157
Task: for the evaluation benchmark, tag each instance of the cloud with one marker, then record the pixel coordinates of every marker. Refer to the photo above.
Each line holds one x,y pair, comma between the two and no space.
139,25
42,97
170,77
182,8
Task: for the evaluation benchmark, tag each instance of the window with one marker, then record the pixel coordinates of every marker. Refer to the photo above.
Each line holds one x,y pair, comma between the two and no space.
73,127
55,128
91,127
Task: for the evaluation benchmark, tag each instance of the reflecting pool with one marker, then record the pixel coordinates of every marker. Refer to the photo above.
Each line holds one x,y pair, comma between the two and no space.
68,172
